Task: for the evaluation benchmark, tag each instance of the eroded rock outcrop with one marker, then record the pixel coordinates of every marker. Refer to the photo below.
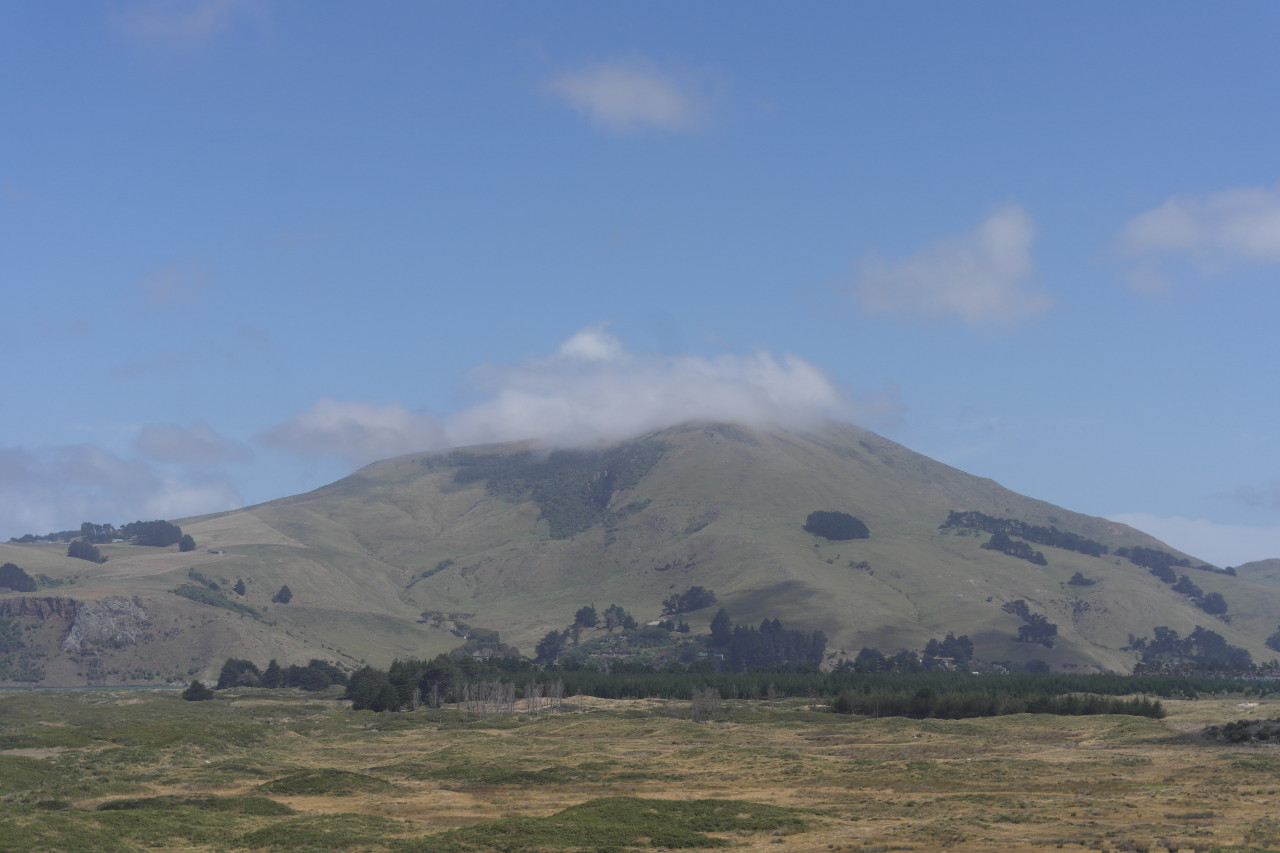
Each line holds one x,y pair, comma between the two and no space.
38,607
113,622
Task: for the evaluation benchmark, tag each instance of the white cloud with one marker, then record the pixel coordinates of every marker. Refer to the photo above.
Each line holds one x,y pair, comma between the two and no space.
594,390
58,487
590,390
1219,544
184,21
197,444
1213,230
630,95
359,432
978,278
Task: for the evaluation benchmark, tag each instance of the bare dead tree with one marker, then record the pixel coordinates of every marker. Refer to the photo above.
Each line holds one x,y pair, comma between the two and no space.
704,704
533,697
555,692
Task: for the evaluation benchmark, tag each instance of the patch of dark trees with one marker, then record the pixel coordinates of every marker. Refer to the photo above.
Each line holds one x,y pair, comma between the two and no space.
1212,603
1244,731
693,598
836,526
14,577
82,550
1162,563
614,617
1040,535
573,488
198,691
450,678
315,676
445,679
555,643
55,536
159,534
1036,627
1201,651
959,704
951,652
743,648
1002,543
155,534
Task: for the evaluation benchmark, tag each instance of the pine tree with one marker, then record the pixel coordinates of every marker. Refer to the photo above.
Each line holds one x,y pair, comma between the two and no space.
721,628
273,676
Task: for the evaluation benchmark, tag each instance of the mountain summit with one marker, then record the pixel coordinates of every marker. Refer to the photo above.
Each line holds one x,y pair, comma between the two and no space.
408,555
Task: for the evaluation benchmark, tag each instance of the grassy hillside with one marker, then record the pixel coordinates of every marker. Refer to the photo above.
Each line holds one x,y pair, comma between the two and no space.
515,539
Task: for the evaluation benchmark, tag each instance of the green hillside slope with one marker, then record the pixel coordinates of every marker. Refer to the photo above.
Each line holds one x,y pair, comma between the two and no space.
405,555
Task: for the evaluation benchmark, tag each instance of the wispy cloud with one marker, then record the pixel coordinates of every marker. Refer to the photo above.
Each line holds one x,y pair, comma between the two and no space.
590,390
358,432
979,278
1214,231
1265,495
1220,544
629,95
197,444
57,487
184,21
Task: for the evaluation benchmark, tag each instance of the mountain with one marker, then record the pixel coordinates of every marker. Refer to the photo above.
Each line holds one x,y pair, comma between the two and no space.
408,555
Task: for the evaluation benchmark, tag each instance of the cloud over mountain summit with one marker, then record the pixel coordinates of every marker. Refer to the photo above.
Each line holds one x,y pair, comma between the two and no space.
591,389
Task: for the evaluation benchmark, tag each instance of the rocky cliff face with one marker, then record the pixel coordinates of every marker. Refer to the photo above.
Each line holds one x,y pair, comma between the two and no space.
111,622
114,622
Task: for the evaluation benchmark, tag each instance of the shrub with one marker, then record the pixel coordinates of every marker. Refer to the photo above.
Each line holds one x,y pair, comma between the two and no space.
82,550
197,692
13,577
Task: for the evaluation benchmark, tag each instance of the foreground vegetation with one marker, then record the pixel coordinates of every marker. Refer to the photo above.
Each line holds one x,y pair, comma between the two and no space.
285,769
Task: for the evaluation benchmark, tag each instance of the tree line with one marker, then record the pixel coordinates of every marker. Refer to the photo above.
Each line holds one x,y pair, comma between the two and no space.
1040,535
153,534
959,704
1201,651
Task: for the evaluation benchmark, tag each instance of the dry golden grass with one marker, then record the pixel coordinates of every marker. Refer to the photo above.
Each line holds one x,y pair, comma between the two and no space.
1020,783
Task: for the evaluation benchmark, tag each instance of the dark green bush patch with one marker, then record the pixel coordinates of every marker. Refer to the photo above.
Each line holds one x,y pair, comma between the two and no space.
325,782
836,526
325,832
614,822
258,806
1244,731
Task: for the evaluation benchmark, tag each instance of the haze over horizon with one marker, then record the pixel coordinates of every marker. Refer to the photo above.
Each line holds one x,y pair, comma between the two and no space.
252,245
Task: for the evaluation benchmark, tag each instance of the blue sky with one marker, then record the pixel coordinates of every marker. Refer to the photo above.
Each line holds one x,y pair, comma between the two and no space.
248,245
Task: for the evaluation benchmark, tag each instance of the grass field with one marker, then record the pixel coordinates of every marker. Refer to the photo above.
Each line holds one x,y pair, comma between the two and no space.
266,770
